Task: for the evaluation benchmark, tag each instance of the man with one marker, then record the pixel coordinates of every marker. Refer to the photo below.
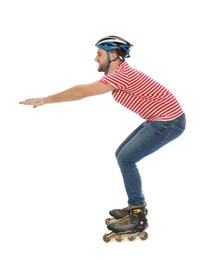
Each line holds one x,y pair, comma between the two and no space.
163,121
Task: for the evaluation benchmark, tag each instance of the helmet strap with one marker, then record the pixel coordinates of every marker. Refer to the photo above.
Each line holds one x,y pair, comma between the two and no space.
109,61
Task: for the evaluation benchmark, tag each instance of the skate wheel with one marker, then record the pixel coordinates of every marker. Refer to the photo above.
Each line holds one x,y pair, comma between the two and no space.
119,239
106,238
131,238
144,236
107,221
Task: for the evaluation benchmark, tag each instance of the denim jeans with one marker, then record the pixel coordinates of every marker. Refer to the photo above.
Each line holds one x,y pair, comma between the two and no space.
144,140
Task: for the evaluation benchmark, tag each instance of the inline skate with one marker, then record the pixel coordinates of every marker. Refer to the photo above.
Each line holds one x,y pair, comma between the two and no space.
117,214
130,226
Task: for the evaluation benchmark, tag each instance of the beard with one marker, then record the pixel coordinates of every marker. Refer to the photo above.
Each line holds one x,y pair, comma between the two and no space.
102,67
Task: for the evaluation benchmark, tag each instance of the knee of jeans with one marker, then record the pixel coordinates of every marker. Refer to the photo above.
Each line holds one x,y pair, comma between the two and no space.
123,159
116,153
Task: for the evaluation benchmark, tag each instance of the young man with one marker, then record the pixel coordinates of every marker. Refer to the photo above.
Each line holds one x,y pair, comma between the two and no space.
163,121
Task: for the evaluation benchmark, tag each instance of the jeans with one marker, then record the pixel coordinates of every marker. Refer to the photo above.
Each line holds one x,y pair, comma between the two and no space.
144,140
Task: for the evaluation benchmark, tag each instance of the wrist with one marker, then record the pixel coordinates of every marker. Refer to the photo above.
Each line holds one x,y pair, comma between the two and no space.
47,100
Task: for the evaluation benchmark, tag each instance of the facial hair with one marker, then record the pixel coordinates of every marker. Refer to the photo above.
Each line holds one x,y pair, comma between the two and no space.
102,67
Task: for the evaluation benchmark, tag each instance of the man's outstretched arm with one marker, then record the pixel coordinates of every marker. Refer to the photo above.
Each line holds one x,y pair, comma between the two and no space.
72,94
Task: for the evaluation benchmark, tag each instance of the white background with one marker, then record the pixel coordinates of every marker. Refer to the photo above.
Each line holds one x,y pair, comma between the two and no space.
58,174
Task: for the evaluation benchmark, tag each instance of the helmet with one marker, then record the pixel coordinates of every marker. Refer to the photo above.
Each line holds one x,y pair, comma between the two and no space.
112,42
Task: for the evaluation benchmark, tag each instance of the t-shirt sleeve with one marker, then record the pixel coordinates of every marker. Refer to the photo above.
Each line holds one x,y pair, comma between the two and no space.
118,80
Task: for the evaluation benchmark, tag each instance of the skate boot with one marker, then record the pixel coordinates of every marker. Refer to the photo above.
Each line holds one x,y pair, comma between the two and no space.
130,226
117,214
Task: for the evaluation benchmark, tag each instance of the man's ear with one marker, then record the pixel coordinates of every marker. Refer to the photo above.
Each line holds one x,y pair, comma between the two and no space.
113,55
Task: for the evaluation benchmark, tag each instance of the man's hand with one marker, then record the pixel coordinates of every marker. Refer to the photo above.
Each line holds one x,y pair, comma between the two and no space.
35,102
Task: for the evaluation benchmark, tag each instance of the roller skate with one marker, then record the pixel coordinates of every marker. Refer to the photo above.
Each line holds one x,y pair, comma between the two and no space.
117,214
131,226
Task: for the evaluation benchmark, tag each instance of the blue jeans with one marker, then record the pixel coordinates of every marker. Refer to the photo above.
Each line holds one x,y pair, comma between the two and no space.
144,140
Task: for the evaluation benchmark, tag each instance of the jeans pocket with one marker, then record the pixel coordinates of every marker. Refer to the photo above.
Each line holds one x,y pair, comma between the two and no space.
159,126
173,133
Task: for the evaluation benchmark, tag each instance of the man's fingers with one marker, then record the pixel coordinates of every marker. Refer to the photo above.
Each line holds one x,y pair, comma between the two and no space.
27,101
33,102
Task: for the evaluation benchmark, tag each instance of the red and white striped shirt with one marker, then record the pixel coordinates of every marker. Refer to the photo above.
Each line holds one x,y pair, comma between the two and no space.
142,95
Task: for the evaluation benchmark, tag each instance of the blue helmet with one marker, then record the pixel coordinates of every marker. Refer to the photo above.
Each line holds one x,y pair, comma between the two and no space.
118,44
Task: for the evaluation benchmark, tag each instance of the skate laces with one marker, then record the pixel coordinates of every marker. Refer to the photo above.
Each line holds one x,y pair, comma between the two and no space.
124,219
130,218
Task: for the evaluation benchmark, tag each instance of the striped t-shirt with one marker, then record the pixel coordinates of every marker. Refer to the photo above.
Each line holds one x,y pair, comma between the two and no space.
141,94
